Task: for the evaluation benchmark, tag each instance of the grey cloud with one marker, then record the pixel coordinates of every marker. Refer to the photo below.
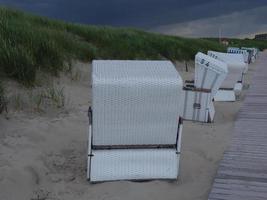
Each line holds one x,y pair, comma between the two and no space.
237,24
186,17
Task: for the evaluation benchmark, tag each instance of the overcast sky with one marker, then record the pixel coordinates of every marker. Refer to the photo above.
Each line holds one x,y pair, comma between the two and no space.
236,18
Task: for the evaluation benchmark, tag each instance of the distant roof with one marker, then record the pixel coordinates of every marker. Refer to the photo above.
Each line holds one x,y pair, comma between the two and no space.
262,36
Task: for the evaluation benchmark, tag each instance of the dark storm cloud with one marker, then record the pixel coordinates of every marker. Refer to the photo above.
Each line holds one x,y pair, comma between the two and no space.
179,17
138,13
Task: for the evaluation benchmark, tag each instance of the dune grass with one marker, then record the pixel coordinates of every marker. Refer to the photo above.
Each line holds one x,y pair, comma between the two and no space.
260,44
26,47
29,43
3,102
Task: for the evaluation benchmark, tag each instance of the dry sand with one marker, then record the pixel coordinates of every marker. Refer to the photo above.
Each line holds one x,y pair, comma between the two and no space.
43,155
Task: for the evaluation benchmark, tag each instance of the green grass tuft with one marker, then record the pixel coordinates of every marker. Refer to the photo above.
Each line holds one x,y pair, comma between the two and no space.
260,44
3,103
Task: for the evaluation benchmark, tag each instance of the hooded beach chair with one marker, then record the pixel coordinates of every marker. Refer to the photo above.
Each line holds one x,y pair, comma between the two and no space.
245,53
199,94
253,51
233,82
135,125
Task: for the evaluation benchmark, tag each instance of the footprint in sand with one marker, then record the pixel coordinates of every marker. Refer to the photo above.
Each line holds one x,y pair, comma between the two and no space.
66,165
43,194
34,174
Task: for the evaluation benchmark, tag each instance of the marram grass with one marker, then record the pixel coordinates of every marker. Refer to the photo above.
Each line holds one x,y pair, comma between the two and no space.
29,43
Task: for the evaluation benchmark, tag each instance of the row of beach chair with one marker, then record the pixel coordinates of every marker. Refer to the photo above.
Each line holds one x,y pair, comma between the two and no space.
138,108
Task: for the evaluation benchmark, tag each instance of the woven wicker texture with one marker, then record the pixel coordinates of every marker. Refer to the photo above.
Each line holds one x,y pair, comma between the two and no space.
134,164
135,102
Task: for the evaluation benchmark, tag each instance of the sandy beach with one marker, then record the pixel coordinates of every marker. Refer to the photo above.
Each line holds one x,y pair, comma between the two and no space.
43,155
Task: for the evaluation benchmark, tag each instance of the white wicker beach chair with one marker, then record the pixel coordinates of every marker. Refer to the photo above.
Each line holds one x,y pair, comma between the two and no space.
233,82
254,53
246,55
135,125
199,94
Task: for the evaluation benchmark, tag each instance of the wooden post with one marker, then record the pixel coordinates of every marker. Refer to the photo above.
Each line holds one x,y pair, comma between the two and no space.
186,67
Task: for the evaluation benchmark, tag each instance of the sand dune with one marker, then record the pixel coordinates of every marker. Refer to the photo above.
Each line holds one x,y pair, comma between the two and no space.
43,156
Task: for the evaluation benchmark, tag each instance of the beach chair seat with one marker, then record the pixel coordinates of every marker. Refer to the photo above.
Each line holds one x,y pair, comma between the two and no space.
197,105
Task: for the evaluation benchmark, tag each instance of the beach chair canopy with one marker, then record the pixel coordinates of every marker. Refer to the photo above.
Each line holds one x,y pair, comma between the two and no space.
209,73
135,102
135,120
236,67
232,49
229,58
